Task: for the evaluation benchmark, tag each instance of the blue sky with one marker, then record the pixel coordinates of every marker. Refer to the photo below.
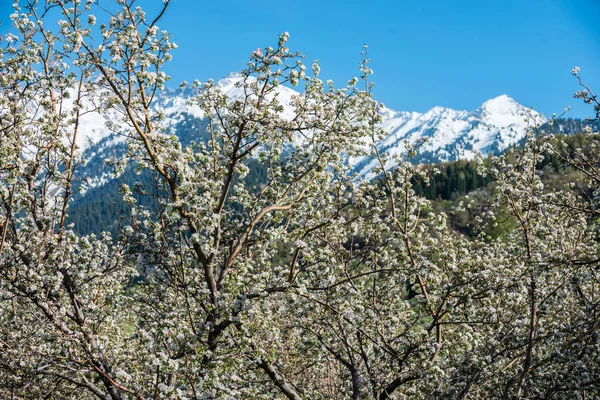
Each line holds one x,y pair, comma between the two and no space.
455,53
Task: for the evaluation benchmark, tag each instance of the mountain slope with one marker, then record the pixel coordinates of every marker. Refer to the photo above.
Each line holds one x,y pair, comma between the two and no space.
451,134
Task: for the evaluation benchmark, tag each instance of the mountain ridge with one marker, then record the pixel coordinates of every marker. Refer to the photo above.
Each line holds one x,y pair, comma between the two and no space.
453,134
495,125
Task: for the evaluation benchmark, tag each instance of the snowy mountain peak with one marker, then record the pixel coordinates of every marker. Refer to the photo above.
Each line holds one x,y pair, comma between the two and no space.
437,110
231,78
502,104
504,111
229,82
389,114
234,75
451,134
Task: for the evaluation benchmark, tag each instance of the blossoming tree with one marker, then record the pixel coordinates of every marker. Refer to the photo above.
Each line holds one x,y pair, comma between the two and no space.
310,284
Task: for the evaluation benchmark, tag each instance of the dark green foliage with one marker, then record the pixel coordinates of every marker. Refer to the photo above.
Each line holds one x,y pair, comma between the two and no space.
103,209
459,182
454,179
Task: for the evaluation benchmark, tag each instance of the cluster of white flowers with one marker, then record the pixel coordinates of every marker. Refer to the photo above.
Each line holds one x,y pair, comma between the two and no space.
308,283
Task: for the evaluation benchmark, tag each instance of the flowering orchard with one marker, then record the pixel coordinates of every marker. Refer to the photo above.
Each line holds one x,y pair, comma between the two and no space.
311,285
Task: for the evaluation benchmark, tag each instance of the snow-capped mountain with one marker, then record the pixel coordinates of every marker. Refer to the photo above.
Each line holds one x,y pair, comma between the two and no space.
451,134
